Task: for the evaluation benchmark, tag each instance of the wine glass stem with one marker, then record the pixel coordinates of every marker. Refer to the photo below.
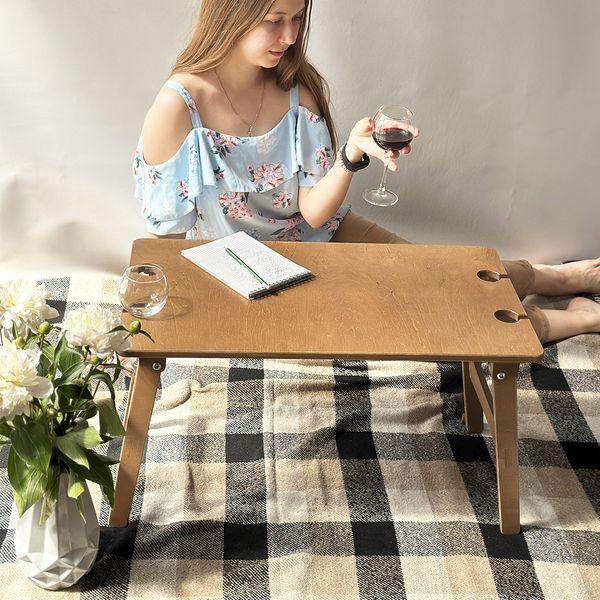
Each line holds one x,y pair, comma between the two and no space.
381,189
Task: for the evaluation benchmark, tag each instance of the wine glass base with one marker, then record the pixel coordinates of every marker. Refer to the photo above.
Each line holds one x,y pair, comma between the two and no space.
378,198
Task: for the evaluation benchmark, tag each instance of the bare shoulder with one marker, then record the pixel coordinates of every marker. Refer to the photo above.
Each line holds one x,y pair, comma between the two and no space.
197,84
166,125
307,99
168,121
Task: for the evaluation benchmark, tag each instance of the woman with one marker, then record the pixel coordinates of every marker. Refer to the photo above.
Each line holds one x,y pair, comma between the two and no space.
241,138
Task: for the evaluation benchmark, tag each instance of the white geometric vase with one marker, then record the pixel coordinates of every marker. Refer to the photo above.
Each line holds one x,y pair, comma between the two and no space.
58,553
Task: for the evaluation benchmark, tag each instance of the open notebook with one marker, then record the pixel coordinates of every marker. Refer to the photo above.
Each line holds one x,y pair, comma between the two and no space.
246,265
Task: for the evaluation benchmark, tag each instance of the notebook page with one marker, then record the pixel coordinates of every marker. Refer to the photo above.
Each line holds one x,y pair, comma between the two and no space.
268,264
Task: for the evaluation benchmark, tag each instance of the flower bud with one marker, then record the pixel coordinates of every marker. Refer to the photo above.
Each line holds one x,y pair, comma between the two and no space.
19,343
51,412
79,382
95,360
45,328
134,327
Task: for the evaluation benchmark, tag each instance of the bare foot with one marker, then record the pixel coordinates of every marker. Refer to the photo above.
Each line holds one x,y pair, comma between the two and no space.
570,278
590,310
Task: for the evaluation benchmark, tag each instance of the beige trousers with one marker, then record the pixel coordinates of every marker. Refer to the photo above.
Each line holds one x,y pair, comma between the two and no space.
355,228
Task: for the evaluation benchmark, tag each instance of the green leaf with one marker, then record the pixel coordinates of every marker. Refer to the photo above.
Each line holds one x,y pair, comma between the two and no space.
48,504
72,390
116,366
100,464
90,412
72,451
76,487
51,494
5,429
117,369
68,358
99,472
147,335
109,493
48,352
74,371
32,342
105,460
72,444
86,437
44,366
105,378
60,346
32,443
64,356
110,422
19,421
53,480
28,484
67,404
118,328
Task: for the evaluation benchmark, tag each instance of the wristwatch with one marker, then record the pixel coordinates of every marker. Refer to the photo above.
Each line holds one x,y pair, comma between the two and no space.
352,167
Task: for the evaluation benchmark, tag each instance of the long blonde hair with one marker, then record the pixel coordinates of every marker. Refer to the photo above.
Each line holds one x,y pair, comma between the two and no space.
220,25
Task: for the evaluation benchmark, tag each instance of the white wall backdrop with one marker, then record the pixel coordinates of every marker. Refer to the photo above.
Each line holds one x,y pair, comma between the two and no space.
506,94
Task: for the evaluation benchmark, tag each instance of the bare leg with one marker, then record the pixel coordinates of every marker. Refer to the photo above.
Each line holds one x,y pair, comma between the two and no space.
581,316
570,278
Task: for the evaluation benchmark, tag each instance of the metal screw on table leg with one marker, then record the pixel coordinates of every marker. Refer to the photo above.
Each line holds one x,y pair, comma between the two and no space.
156,366
501,376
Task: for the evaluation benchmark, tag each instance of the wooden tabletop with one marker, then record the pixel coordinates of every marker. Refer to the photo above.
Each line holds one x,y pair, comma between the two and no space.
368,301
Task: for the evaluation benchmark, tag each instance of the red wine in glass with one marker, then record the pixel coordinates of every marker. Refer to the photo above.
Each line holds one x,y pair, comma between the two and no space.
393,138
392,130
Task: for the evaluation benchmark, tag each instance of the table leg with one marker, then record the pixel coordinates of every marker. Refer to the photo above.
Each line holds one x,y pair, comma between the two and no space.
137,419
473,409
504,377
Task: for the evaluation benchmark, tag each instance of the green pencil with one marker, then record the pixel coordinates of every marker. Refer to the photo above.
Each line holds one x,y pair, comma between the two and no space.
243,264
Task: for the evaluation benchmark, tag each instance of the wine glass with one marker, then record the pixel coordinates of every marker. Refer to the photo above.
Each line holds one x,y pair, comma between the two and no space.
392,131
143,290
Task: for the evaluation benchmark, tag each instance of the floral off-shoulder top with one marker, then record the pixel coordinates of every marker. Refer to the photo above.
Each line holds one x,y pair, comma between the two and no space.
218,184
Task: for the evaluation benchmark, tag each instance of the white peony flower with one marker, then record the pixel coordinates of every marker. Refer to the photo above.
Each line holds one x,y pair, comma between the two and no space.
24,304
89,326
19,381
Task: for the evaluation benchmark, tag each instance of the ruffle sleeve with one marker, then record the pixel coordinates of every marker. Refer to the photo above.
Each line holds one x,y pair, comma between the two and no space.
168,191
313,148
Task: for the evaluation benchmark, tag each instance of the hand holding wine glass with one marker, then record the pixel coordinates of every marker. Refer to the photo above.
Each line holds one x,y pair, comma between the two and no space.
392,131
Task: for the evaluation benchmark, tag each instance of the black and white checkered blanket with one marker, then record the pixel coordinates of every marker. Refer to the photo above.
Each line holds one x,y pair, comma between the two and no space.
331,480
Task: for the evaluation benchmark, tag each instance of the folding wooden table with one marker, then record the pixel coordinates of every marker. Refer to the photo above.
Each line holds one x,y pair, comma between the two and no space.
366,301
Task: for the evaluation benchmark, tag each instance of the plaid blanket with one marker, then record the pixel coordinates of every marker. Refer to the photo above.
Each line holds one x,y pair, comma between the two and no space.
323,480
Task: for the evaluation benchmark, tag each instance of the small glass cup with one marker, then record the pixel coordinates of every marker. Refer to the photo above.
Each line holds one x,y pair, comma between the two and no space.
143,290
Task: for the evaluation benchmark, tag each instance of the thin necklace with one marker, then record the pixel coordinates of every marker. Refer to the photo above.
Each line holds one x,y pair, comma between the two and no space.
250,126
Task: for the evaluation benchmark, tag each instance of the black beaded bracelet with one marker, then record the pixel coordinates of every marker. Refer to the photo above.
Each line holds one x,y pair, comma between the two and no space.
352,167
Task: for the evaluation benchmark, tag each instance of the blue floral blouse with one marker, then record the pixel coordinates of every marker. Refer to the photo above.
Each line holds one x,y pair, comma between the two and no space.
218,184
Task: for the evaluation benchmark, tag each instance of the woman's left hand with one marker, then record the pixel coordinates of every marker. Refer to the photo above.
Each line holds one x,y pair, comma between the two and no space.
361,141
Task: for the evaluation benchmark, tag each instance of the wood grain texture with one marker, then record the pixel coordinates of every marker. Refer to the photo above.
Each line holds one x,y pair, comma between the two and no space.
137,421
473,417
370,301
506,438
